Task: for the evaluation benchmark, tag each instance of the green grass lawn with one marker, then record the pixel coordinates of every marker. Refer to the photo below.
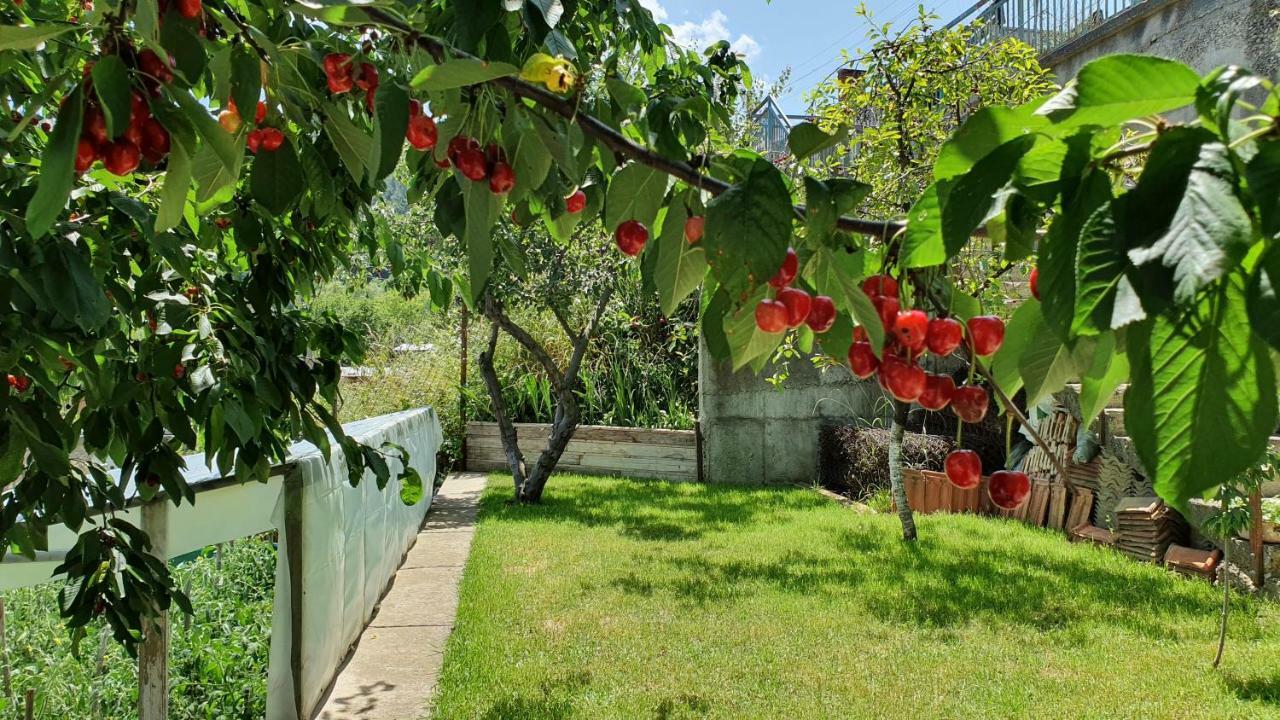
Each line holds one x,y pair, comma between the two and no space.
636,599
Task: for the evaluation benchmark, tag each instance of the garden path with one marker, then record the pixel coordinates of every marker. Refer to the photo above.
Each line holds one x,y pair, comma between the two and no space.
393,672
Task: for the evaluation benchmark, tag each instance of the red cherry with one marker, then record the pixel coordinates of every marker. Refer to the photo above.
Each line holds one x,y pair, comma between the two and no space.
472,165
970,403
938,391
271,139
693,228
337,64
122,158
878,285
576,203
189,9
155,141
986,332
1035,283
502,179
964,469
139,110
368,79
260,114
1009,489
786,273
95,126
887,309
944,336
798,304
458,144
368,99
422,132
19,383
254,140
443,163
339,84
133,134
152,65
771,316
911,327
862,360
229,119
904,380
822,315
86,155
631,237
179,371
415,108
860,334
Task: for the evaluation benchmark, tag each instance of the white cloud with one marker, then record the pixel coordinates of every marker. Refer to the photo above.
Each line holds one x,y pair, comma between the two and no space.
698,35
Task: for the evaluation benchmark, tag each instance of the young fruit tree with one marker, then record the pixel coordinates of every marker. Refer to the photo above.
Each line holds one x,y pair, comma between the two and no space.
198,251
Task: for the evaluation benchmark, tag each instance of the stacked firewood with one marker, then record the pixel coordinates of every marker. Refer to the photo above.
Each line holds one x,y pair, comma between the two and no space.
1145,528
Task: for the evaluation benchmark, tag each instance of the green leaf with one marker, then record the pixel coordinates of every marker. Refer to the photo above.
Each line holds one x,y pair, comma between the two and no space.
30,37
227,148
983,132
391,119
629,97
681,266
1209,233
1202,401
352,144
635,193
461,73
807,139
712,321
111,84
483,209
1005,365
215,182
77,295
173,196
246,81
1046,365
1100,265
747,342
529,158
922,244
970,199
57,167
146,20
838,275
178,38
1057,261
1108,370
1264,297
277,178
748,227
1263,176
1117,88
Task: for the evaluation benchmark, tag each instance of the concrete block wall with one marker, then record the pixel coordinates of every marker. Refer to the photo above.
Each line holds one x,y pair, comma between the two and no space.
1204,34
755,434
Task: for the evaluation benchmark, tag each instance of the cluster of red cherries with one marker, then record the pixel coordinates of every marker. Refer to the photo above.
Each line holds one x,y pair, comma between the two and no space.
342,75
268,139
19,383
477,165
142,138
791,307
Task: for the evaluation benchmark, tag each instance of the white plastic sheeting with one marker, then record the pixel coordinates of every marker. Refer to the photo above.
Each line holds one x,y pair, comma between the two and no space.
353,541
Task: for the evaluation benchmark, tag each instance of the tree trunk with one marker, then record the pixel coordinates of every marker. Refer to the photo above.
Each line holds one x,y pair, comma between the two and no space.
529,484
1224,577
896,485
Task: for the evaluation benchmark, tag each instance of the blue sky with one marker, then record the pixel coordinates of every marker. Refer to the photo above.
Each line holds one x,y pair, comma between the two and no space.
805,35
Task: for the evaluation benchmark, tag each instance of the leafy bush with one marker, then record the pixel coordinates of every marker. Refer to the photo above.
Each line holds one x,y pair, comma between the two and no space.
217,661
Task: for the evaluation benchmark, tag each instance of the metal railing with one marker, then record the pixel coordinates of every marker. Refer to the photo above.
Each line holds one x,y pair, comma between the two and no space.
1045,25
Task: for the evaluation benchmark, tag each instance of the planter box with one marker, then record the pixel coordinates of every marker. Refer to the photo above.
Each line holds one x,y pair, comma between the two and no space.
929,492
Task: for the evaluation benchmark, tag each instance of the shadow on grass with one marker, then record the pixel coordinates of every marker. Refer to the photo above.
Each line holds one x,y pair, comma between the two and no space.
554,701
962,570
1258,688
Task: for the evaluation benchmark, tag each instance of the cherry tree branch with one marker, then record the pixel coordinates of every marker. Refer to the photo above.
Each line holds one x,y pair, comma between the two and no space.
606,135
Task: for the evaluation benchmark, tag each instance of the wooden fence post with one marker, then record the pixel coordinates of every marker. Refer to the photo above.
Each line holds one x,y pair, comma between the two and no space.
153,656
1255,539
293,549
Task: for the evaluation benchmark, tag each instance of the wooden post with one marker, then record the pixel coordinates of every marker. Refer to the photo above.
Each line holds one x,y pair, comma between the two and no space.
153,656
30,704
1255,539
293,549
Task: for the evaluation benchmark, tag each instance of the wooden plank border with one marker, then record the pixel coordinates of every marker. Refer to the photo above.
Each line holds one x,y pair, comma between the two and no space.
594,450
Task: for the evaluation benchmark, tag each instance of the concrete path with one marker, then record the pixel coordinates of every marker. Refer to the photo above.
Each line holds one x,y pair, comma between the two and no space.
394,670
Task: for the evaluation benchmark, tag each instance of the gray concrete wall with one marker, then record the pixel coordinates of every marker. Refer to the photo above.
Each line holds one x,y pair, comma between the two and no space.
755,434
1204,34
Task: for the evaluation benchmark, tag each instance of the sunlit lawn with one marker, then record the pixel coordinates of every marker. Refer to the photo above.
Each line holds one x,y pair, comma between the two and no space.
636,599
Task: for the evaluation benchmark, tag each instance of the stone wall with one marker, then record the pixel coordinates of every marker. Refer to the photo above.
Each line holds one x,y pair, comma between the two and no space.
755,434
1201,33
